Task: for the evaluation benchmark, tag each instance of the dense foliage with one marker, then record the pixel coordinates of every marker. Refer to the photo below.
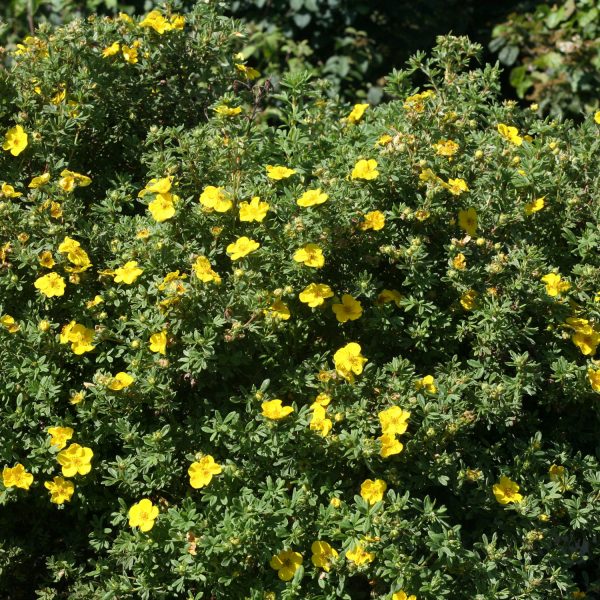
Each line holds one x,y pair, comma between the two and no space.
256,344
352,43
554,52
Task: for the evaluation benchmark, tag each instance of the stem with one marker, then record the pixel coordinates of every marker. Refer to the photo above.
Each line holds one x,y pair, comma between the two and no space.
30,16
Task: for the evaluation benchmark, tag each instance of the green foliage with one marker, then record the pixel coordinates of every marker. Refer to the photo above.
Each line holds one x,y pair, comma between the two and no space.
351,43
554,53
511,391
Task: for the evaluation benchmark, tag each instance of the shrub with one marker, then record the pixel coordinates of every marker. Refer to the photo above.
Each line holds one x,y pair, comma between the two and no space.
554,53
286,348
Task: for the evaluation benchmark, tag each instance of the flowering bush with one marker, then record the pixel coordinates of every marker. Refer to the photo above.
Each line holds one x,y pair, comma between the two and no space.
295,350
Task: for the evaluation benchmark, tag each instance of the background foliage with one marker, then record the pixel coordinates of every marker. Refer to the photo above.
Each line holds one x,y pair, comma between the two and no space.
554,53
353,43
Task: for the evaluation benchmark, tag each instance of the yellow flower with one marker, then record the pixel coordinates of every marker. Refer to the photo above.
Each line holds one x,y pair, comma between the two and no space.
273,409
374,220
322,555
75,460
77,397
401,595
59,96
357,112
312,198
315,293
510,133
459,262
177,22
597,117
278,310
393,420
69,180
120,381
278,172
386,296
44,325
365,169
349,361
323,399
8,191
506,491
4,251
556,472
422,214
384,140
428,176
359,556
202,471
372,491
350,309
310,255
157,22
587,341
427,383
9,324
227,111
128,273
467,220
130,54
16,476
50,285
80,337
39,181
248,72
59,436
255,210
111,50
579,325
55,210
390,445
158,342
157,186
415,103
286,563
16,140
242,247
94,302
75,254
319,421
473,474
60,490
162,207
594,378
534,206
204,271
32,46
142,515
555,285
446,148
468,299
456,186
216,199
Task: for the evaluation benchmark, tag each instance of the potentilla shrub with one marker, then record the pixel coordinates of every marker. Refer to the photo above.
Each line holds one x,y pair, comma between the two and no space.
291,349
